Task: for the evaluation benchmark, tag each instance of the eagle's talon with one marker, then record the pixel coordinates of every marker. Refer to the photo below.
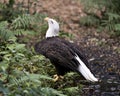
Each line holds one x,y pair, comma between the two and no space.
56,77
61,77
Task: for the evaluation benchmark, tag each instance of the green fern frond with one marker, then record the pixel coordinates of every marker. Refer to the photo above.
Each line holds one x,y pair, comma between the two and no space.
39,17
66,35
113,16
5,33
19,32
2,5
91,5
89,21
29,77
117,27
22,21
111,21
43,91
26,20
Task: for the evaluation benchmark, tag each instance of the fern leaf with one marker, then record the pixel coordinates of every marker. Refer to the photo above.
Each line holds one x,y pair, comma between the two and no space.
29,77
44,91
117,27
5,33
22,21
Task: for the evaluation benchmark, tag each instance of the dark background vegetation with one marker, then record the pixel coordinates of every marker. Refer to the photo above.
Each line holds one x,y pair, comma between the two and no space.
93,24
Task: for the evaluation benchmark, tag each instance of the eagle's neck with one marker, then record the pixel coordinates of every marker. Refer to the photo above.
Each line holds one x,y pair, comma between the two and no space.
51,33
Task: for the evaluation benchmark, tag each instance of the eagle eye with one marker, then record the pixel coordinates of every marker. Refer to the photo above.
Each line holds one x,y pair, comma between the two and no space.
52,22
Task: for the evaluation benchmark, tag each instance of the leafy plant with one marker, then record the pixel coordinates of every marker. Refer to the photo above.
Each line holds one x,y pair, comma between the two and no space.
66,35
5,33
23,21
112,23
18,67
44,91
89,21
103,13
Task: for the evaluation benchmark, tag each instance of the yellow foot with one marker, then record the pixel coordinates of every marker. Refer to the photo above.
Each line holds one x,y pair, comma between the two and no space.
56,77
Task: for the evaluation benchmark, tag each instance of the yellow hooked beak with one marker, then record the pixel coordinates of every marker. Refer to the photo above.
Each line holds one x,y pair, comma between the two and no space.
46,19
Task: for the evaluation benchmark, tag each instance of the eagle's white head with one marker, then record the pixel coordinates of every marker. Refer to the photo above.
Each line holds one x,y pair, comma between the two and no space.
53,27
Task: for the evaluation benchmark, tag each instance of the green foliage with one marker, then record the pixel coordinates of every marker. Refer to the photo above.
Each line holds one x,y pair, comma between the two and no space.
89,21
23,21
7,11
26,22
103,13
45,91
23,25
2,6
112,23
11,3
20,74
66,35
72,91
5,33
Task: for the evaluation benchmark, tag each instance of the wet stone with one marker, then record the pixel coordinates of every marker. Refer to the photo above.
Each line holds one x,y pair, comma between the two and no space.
97,86
118,87
116,82
110,94
113,88
97,91
109,81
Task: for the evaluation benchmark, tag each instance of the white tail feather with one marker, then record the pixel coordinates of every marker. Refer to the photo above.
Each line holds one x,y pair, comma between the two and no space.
85,71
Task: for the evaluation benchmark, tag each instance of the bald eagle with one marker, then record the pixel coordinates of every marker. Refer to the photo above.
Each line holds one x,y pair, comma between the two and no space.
65,56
